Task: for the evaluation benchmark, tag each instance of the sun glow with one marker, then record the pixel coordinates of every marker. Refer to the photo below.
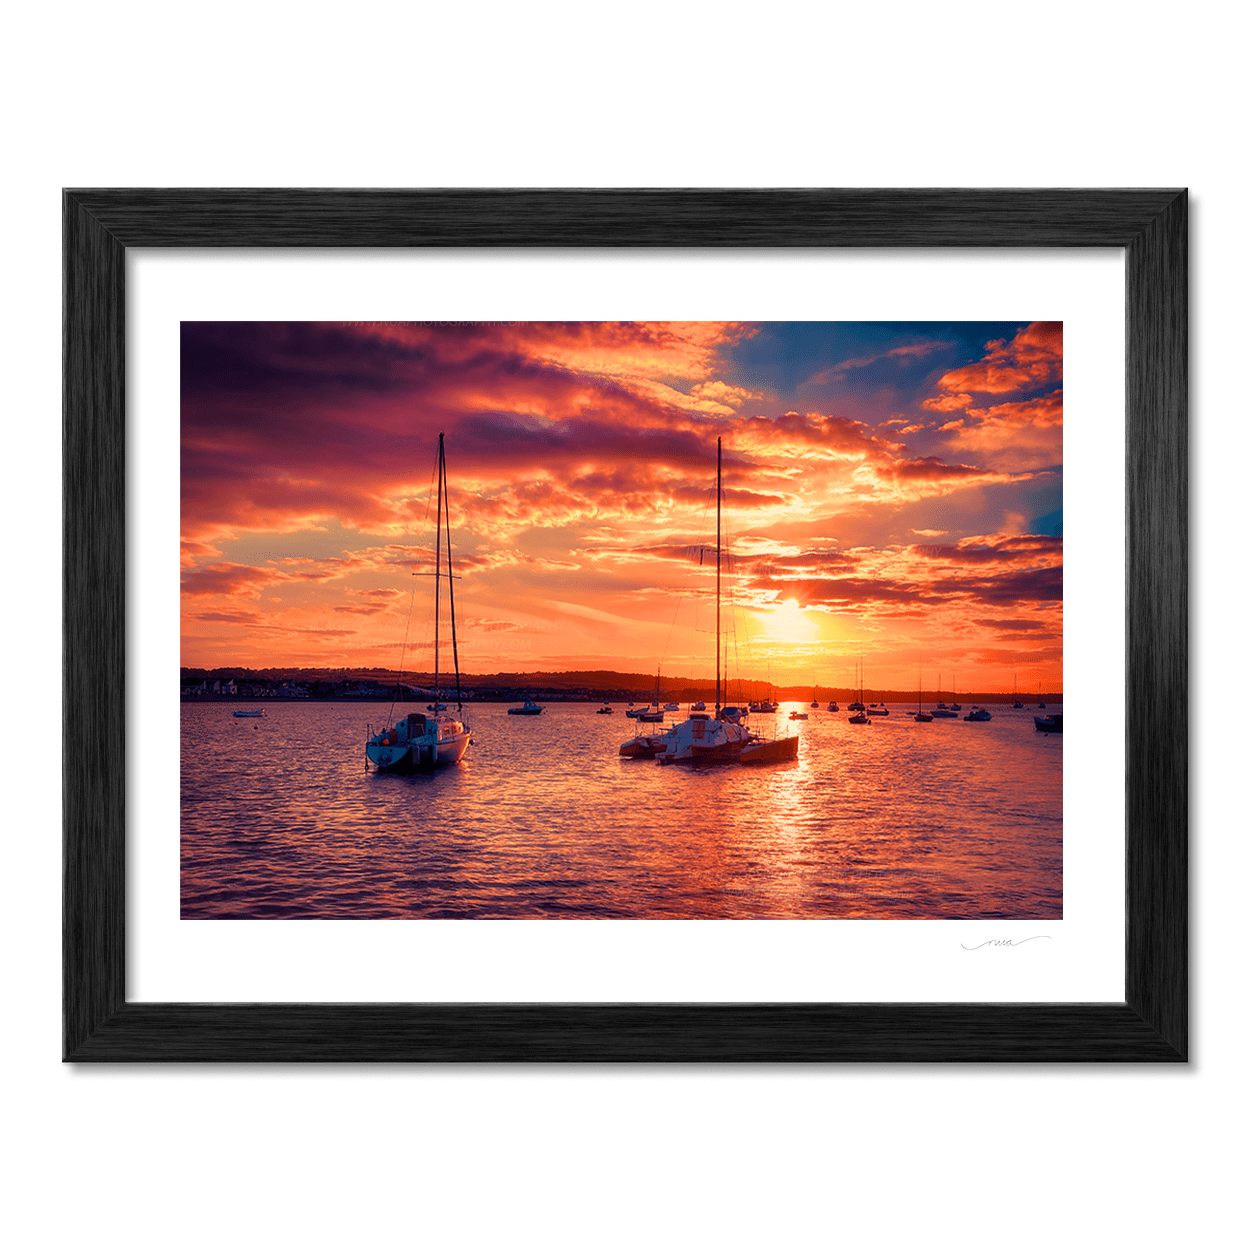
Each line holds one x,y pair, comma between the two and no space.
789,623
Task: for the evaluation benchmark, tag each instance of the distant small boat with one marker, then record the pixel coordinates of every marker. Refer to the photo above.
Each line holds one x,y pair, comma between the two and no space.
979,714
530,708
860,718
249,711
651,716
1052,724
442,707
1015,695
798,716
833,707
874,710
672,707
605,710
698,707
1040,701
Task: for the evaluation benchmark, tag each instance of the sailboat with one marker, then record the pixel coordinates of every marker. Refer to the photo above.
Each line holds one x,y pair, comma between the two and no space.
721,738
1015,694
861,716
921,717
858,705
419,742
1040,702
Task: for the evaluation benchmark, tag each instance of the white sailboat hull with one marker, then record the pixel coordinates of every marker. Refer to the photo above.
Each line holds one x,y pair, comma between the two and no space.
436,744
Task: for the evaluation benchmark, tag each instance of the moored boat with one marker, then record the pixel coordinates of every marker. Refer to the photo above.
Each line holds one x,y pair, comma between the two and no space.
644,746
861,713
1052,724
921,717
249,711
719,737
419,742
528,708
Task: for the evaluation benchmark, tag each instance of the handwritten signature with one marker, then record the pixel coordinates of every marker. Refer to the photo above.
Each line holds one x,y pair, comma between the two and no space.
1005,942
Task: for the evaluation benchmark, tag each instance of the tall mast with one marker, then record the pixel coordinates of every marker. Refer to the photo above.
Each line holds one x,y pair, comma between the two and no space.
438,565
451,591
718,576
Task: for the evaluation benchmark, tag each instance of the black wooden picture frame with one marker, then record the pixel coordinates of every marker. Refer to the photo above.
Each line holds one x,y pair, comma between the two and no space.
1150,1024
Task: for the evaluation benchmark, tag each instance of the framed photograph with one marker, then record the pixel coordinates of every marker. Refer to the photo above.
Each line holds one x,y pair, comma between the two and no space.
424,561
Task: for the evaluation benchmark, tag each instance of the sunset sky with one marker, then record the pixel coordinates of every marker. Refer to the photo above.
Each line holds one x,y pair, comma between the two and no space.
890,489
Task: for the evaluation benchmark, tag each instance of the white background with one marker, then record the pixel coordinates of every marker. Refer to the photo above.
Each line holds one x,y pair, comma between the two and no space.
1082,958
1073,94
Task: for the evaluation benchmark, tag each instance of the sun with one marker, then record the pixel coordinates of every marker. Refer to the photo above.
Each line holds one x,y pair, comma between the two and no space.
789,623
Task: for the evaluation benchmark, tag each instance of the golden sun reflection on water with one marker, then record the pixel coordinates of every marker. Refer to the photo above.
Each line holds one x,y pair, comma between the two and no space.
281,818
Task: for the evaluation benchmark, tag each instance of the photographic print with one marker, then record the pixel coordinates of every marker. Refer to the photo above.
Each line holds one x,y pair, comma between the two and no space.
697,620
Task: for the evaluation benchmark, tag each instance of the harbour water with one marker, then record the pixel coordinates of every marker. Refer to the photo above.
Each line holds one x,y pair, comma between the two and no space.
281,818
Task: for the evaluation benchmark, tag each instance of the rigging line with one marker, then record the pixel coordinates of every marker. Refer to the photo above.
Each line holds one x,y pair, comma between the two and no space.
702,532
438,567
685,585
403,650
451,594
413,599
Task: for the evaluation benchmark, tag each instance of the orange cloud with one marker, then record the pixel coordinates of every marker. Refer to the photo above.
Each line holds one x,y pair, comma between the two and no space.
1031,359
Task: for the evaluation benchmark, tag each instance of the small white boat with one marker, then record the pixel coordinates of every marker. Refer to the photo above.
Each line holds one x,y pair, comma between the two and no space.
672,707
249,711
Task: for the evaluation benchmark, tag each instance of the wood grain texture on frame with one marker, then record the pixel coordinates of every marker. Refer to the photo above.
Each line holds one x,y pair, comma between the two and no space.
1149,1025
